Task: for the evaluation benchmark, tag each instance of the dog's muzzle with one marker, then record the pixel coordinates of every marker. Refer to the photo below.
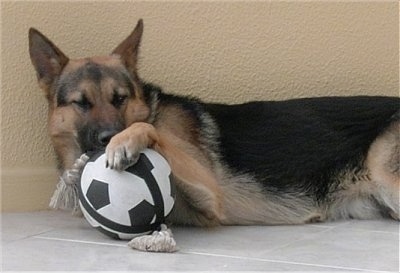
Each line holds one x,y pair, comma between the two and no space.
104,137
96,138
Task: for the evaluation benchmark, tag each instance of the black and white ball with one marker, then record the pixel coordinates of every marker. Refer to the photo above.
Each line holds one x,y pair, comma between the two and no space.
126,204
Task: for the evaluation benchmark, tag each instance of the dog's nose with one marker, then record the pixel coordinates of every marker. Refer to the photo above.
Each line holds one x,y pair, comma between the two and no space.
105,136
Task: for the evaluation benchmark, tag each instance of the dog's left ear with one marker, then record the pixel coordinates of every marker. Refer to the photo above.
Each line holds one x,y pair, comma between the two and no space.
129,48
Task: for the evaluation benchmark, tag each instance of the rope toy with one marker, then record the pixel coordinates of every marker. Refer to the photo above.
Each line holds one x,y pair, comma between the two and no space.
65,197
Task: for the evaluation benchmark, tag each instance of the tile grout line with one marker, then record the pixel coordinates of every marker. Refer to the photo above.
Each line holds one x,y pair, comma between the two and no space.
30,236
218,255
37,236
326,229
78,241
282,262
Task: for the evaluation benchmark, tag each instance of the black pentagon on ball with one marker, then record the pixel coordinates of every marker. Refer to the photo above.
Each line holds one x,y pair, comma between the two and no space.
142,214
97,194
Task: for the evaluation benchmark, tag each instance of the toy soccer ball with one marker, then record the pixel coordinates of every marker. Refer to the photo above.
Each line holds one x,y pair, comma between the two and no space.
126,204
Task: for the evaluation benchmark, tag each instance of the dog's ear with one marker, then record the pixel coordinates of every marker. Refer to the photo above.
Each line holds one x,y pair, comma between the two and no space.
47,59
129,48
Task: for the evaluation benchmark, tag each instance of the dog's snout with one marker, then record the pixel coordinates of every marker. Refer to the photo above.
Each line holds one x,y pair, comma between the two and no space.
105,136
95,138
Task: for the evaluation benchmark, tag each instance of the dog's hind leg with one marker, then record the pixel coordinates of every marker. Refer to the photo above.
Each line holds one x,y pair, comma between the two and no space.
383,162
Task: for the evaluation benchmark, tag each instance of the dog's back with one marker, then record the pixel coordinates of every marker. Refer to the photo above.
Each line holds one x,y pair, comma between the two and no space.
317,148
300,160
295,143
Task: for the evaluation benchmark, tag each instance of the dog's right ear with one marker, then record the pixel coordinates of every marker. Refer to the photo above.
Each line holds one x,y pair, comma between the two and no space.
47,59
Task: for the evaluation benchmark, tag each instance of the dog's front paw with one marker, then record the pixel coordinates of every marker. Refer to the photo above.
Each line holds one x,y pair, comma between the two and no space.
124,148
120,155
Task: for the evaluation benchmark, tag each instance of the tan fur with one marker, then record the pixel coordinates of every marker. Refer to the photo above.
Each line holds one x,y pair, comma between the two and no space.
62,129
245,203
355,200
74,64
364,192
383,161
136,111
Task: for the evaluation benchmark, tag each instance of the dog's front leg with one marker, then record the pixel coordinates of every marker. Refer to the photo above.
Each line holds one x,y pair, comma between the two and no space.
194,179
124,148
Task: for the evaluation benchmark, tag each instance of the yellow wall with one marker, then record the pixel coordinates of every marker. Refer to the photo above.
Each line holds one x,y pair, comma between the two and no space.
219,51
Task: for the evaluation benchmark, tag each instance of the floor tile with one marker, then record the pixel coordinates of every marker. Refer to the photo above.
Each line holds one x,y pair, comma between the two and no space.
16,226
39,254
243,241
384,225
58,241
82,231
345,248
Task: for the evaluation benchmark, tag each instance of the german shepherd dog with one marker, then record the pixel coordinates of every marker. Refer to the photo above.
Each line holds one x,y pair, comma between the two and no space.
258,163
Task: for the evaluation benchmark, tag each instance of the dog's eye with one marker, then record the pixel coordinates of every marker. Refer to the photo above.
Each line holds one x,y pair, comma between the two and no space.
84,104
118,100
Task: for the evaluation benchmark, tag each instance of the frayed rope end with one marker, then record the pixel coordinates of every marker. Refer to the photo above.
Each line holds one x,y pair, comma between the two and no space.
65,197
158,241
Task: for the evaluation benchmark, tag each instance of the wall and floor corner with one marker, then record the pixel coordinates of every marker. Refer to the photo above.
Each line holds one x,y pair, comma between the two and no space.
219,51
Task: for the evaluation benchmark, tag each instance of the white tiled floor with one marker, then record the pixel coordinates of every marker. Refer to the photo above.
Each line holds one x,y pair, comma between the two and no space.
58,241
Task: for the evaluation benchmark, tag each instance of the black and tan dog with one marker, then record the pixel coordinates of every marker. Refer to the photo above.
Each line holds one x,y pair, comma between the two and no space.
280,162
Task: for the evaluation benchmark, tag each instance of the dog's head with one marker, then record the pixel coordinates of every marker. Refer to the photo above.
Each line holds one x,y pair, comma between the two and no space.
90,99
